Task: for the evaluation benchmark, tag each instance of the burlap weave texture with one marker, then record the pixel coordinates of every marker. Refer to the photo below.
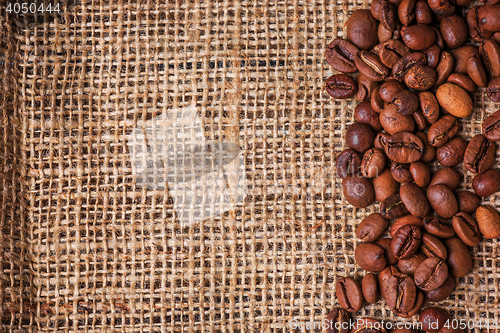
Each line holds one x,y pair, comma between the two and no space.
85,249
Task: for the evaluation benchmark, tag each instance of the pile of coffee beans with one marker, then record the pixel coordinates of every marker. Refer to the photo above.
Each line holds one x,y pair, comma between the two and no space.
416,68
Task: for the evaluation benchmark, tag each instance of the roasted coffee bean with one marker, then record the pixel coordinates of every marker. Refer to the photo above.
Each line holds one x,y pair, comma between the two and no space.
420,78
384,276
376,8
401,293
454,99
491,127
385,35
467,201
423,13
418,304
394,122
429,151
369,285
433,54
371,66
360,137
385,243
349,294
488,222
415,200
348,163
406,241
452,152
459,258
444,68
480,154
418,37
365,87
431,246
442,292
442,201
385,185
340,55
363,113
341,86
429,106
377,103
389,88
406,11
368,325
454,31
438,227
371,228
358,191
391,51
489,17
338,321
487,183
401,172
461,57
442,8
409,265
373,163
381,140
493,90
439,38
442,130
404,147
476,31
420,122
393,207
431,274
406,62
466,228
362,29
476,71
490,51
420,173
370,257
463,81
388,17
433,319
406,101
408,219
447,176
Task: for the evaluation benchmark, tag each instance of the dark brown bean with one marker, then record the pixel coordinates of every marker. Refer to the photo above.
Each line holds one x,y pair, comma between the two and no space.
488,222
442,292
447,176
401,293
365,87
429,151
431,246
415,200
480,154
385,185
433,319
406,241
406,62
490,51
438,227
385,35
338,321
466,228
393,122
409,265
452,152
423,13
349,294
369,285
406,101
360,137
348,163
442,8
476,31
371,228
489,17
340,55
487,183
459,258
442,200
476,71
388,17
370,257
364,113
461,57
404,147
385,243
376,8
463,81
391,51
467,201
433,55
362,29
429,106
377,103
493,90
371,66
442,130
381,140
406,11
420,173
491,127
431,273
454,31
393,207
444,68
408,219
420,78
420,122
401,172
341,86
358,191
373,163
418,37
389,88
384,276
418,304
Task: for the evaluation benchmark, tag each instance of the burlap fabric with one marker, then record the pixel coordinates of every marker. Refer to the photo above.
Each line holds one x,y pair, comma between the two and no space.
85,249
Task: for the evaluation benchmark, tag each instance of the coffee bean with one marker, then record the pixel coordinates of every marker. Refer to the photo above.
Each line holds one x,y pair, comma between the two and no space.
401,293
489,17
459,258
452,152
438,227
420,78
490,51
371,66
423,13
393,207
338,321
429,106
488,222
432,319
476,31
439,38
360,137
341,86
442,8
404,147
493,90
429,151
442,292
418,36
385,185
385,35
365,87
454,31
420,173
389,88
442,200
406,101
461,57
431,273
370,257
431,246
454,99
368,325
463,81
433,54
340,55
467,201
409,265
385,243
373,163
487,183
421,124
444,68
442,130
364,113
480,154
406,11
447,176
369,285
388,17
418,304
358,191
401,172
377,103
491,127
393,122
348,163
415,200
406,241
371,228
476,71
408,219
391,51
349,294
376,8
406,62
362,29
381,140
384,276
466,228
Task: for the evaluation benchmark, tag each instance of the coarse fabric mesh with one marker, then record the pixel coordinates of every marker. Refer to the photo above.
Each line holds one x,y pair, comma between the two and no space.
85,248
